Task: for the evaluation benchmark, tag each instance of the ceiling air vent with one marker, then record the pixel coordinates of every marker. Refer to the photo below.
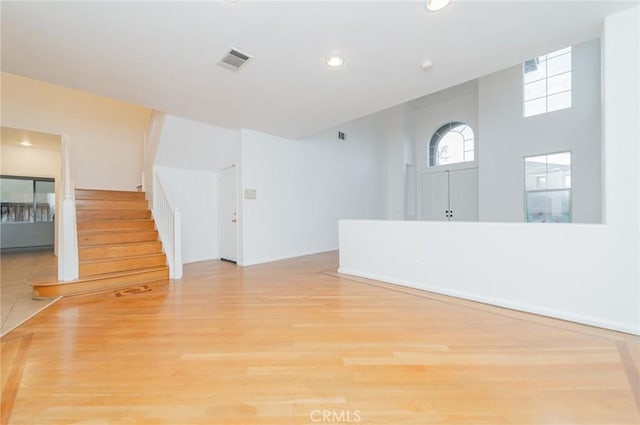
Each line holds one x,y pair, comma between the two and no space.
234,59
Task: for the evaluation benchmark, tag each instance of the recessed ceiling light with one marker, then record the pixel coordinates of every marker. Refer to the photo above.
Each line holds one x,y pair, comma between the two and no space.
25,143
426,64
335,61
435,5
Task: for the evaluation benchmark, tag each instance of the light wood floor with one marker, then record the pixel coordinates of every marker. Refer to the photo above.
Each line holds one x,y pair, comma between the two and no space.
293,343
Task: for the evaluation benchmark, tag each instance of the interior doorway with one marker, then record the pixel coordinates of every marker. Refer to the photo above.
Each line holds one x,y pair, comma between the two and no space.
30,184
30,190
228,214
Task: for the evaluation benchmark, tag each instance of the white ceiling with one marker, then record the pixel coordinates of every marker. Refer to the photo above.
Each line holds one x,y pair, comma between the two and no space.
163,54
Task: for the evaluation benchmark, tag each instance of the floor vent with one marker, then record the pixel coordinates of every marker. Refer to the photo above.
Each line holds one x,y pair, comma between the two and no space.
234,59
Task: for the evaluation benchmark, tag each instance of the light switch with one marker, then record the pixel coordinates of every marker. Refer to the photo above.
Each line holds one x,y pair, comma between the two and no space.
249,194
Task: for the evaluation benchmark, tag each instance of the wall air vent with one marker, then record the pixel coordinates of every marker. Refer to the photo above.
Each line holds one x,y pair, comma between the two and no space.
531,65
234,59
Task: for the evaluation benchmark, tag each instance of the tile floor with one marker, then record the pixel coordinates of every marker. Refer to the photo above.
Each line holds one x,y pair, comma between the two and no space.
18,270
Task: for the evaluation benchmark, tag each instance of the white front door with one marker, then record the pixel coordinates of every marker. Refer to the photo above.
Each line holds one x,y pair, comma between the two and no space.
435,196
228,214
463,194
450,195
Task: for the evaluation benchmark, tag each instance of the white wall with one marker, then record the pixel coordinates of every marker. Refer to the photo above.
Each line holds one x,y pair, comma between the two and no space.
588,273
194,193
151,143
410,174
621,150
396,135
190,144
394,128
188,156
106,135
507,138
305,186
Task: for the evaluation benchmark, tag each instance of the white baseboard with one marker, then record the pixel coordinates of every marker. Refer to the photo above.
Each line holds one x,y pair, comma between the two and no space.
285,257
528,308
198,259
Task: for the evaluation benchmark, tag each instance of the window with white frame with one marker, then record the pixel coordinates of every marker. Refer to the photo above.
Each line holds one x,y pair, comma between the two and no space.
452,143
547,83
27,199
547,194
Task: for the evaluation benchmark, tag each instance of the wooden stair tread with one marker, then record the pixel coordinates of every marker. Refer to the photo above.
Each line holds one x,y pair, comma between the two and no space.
101,209
85,208
84,215
93,238
117,250
119,211
126,257
118,220
84,194
109,204
83,190
104,276
114,245
102,232
115,225
99,266
107,282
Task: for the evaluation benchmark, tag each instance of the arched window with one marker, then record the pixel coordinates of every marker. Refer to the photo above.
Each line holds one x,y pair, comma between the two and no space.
451,143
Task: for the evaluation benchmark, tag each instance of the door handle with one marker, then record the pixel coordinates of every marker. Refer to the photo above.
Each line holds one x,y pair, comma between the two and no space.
234,220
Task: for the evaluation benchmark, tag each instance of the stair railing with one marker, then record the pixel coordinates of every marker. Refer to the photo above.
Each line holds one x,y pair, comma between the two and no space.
168,221
68,268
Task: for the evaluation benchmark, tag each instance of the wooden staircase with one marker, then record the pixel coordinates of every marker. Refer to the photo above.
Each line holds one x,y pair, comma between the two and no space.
118,245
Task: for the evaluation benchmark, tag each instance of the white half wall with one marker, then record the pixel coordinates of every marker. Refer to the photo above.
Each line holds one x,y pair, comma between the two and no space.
562,272
194,193
588,273
305,186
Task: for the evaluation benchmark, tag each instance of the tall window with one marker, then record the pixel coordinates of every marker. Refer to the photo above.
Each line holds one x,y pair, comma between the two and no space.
452,143
547,83
548,188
